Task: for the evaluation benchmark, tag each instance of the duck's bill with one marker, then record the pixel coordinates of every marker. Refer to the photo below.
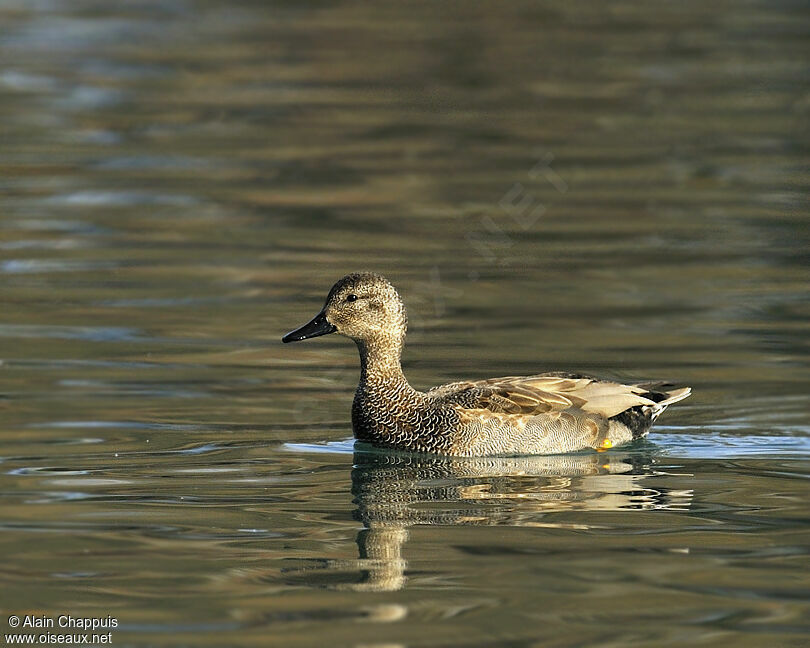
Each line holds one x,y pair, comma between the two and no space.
315,327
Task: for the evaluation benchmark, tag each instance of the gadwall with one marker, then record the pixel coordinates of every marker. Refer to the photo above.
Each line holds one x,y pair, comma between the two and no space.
546,413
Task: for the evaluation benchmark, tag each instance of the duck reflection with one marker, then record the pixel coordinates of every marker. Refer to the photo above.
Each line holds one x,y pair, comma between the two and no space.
394,491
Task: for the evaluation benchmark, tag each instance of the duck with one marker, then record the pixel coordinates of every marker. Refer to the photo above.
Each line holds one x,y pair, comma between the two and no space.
542,414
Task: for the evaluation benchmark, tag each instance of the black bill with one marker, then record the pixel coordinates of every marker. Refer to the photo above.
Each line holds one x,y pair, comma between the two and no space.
315,327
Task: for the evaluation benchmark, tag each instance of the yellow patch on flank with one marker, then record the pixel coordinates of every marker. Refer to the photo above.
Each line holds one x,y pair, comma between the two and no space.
607,444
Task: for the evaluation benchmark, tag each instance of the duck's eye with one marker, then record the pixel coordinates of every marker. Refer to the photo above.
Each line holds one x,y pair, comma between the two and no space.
351,298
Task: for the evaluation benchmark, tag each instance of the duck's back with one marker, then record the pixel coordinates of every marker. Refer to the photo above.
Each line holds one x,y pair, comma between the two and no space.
551,412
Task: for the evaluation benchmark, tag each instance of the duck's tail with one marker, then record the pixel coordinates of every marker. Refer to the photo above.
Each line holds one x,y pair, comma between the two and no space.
670,396
639,419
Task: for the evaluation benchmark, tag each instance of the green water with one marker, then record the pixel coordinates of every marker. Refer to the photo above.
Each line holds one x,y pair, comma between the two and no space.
618,189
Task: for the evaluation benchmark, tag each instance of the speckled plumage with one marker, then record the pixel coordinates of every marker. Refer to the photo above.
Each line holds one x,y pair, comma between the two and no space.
541,414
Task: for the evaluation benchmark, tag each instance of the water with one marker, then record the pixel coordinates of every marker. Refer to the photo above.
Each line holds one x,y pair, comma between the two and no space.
619,190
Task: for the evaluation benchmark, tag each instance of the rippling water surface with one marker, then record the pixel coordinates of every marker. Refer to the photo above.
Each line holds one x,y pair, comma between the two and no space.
620,190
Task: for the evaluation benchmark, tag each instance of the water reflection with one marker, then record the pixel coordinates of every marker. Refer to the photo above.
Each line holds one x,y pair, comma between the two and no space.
393,492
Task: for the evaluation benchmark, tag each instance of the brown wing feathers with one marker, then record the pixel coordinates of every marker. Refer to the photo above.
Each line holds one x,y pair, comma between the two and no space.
542,394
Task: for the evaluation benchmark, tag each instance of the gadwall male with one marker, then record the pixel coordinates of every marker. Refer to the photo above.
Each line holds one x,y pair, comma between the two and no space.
546,413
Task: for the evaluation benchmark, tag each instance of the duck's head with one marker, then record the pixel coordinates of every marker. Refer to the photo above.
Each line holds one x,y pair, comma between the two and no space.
362,306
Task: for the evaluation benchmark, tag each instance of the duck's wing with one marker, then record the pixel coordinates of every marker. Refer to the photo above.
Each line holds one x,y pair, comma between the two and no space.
543,393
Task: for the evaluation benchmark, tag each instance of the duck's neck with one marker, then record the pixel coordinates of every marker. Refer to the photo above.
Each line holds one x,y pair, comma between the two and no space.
380,368
387,411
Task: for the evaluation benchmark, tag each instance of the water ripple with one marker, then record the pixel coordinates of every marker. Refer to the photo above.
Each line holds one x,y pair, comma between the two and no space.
89,333
33,266
99,198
